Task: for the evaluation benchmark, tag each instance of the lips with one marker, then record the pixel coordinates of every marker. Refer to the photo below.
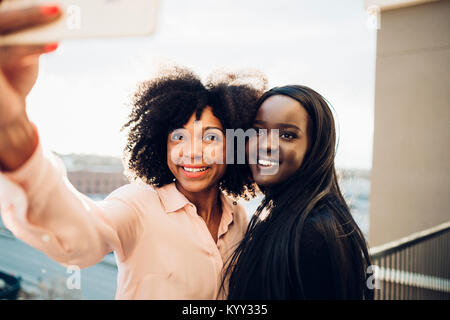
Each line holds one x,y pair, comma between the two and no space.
195,169
267,163
191,171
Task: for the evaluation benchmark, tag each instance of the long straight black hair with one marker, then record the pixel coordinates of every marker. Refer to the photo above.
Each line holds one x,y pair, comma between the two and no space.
267,262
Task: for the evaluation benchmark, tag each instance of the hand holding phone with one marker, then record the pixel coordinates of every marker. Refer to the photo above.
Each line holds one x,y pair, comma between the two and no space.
85,19
18,74
19,63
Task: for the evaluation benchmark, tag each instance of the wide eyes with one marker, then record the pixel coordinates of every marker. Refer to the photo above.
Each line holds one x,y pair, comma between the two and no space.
177,136
209,136
212,137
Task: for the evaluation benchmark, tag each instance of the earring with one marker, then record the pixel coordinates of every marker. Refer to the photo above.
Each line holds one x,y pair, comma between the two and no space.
174,179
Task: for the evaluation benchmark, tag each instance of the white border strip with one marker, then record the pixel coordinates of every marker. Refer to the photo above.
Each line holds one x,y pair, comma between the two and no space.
412,279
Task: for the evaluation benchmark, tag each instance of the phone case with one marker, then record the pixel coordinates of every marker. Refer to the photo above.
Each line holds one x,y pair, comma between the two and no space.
86,19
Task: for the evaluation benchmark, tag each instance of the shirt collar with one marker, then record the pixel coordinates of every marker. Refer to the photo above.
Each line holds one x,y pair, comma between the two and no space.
173,200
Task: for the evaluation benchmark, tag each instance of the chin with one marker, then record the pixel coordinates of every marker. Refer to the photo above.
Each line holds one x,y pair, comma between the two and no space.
194,186
264,180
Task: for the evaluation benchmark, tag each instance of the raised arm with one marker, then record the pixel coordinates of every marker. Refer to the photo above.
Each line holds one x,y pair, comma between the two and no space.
42,208
38,203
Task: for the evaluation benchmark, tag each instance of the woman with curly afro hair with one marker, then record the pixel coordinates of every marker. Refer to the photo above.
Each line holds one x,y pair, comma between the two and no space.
173,227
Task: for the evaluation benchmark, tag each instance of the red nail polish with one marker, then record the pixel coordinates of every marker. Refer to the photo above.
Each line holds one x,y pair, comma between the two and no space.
49,10
50,47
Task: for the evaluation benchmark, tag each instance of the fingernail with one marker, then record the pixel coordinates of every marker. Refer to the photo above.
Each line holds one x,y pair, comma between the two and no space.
49,10
50,47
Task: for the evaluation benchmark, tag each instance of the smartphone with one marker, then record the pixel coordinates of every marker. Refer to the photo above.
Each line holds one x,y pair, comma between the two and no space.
87,19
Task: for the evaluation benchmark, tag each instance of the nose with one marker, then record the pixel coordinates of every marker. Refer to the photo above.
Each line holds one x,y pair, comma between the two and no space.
197,149
269,142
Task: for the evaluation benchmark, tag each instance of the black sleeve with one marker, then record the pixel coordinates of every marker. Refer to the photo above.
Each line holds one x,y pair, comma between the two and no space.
315,263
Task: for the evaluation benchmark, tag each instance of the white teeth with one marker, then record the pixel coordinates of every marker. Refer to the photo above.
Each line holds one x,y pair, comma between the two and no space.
195,169
267,162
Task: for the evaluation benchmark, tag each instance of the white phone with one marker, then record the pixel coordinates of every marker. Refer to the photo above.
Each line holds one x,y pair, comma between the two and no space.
86,19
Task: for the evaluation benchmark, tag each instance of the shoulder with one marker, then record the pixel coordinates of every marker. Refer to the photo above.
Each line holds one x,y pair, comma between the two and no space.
319,232
328,230
330,217
131,190
317,222
137,195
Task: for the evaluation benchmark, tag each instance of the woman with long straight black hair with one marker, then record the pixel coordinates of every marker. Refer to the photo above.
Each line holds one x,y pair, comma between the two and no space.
302,243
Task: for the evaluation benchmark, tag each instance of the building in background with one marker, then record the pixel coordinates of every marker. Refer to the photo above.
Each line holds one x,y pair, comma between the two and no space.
410,179
95,176
94,182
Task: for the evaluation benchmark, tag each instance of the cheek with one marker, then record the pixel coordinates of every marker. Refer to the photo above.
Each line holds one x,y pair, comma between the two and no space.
175,153
214,153
293,156
170,162
219,152
221,168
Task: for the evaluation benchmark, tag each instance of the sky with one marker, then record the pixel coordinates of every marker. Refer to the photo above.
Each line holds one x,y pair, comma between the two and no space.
84,89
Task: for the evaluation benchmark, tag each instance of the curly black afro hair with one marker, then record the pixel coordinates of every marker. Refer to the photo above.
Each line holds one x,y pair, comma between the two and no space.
166,103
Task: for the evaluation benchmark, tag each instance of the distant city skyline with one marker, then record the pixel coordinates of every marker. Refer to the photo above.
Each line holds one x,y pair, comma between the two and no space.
79,102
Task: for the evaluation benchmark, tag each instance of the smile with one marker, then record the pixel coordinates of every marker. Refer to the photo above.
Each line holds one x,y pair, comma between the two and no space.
267,163
193,171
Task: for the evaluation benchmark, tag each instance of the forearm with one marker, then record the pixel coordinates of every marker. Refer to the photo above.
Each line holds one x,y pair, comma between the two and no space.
42,208
18,141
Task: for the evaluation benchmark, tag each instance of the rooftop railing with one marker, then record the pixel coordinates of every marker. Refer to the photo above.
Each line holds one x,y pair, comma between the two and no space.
416,267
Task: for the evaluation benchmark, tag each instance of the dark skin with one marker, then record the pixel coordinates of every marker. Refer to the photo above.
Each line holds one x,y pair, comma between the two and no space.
200,187
291,119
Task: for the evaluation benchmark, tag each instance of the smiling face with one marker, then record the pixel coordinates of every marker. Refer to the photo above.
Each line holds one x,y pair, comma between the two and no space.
291,120
196,152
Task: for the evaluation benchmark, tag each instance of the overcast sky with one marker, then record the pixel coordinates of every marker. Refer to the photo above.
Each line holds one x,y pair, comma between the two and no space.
79,102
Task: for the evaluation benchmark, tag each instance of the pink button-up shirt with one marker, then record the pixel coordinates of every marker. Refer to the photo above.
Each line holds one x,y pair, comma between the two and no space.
163,248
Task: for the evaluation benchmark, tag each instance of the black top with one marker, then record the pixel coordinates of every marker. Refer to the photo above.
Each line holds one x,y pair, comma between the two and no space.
315,264
330,260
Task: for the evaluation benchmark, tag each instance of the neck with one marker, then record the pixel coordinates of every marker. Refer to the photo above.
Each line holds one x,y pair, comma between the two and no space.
206,201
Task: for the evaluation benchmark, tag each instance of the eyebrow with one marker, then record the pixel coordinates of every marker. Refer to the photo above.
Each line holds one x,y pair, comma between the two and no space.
210,127
281,125
217,128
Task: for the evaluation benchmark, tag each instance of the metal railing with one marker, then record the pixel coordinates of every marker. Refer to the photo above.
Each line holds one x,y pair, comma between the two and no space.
416,267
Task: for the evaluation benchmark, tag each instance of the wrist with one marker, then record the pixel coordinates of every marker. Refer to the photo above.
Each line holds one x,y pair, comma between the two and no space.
18,141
